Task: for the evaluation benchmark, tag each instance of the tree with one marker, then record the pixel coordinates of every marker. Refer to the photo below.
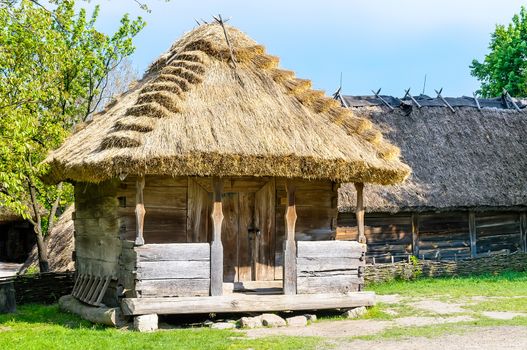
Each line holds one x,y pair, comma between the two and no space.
54,67
505,66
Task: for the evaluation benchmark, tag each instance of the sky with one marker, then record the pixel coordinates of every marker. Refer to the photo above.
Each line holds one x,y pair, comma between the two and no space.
388,44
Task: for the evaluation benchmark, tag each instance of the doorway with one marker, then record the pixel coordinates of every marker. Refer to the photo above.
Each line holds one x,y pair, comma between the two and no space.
248,234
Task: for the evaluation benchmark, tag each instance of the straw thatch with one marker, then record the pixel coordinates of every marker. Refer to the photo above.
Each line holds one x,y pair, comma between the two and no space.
60,246
467,159
8,215
198,113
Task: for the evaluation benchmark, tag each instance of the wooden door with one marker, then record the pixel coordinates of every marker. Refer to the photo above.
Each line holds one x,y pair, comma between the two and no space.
248,235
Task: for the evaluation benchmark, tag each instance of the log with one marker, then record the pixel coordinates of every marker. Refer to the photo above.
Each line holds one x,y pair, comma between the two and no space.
360,211
101,315
173,287
139,211
216,249
290,244
329,284
245,303
173,252
150,270
330,249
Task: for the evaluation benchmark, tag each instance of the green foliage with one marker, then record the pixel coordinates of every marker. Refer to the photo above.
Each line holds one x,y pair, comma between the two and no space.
45,327
505,66
504,284
54,66
417,269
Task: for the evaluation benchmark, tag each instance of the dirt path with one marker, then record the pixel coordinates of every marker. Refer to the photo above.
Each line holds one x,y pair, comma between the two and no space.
491,338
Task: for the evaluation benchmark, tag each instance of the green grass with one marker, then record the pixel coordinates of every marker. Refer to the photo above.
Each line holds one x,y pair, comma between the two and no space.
501,304
45,327
505,284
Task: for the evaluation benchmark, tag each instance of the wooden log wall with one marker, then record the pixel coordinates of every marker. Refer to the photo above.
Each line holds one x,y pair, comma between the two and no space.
386,235
170,270
437,236
330,267
165,201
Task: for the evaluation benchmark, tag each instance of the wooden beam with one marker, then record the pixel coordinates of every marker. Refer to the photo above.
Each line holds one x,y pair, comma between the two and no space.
290,244
472,233
523,230
139,211
415,235
216,249
359,186
245,303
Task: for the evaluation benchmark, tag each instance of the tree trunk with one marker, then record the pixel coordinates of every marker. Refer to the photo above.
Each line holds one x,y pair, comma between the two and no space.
42,246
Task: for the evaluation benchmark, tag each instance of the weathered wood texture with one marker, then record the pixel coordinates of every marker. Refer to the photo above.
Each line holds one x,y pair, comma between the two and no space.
101,315
245,303
386,235
264,233
216,247
199,205
436,236
165,203
170,270
329,266
97,240
316,210
290,271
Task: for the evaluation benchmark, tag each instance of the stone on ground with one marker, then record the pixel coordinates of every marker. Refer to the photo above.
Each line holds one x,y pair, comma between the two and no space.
146,323
250,322
272,320
297,321
356,312
311,317
439,307
502,315
223,325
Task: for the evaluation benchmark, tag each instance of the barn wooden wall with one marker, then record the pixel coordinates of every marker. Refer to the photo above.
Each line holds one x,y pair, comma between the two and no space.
441,236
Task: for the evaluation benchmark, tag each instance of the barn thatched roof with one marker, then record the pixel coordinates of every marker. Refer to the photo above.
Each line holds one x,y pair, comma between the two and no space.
468,159
194,113
8,215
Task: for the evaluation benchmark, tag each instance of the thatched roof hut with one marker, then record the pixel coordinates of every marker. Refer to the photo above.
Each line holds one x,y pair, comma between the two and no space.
193,113
186,186
466,158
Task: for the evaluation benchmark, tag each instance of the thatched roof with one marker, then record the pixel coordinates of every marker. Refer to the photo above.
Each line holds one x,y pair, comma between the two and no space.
194,113
8,215
468,159
60,246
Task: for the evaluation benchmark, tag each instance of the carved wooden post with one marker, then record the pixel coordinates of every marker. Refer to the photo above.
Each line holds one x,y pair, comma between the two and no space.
139,211
290,244
216,249
359,186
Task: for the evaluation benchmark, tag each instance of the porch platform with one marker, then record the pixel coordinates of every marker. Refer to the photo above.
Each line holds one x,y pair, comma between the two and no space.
245,303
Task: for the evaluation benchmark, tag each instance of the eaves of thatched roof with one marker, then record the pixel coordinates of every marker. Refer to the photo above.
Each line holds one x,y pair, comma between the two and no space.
471,159
197,113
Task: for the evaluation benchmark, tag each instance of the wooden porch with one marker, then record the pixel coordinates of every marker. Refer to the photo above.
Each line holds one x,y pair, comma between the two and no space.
245,303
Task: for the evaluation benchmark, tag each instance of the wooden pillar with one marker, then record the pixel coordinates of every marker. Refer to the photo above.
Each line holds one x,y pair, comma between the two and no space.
415,235
290,244
139,210
472,233
359,186
216,249
523,230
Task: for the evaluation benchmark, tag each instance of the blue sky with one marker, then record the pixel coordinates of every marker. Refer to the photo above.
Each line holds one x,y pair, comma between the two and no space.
384,44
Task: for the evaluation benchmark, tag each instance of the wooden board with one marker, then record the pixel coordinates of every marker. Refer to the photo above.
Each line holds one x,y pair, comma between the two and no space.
264,220
245,223
496,231
173,287
173,252
330,249
328,284
198,213
245,303
229,235
148,270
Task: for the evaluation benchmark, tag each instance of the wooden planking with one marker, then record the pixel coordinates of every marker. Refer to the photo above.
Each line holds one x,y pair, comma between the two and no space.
327,249
229,235
216,247
148,270
245,222
290,250
235,184
329,284
327,264
497,231
245,303
523,227
173,287
173,252
265,222
198,213
165,226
